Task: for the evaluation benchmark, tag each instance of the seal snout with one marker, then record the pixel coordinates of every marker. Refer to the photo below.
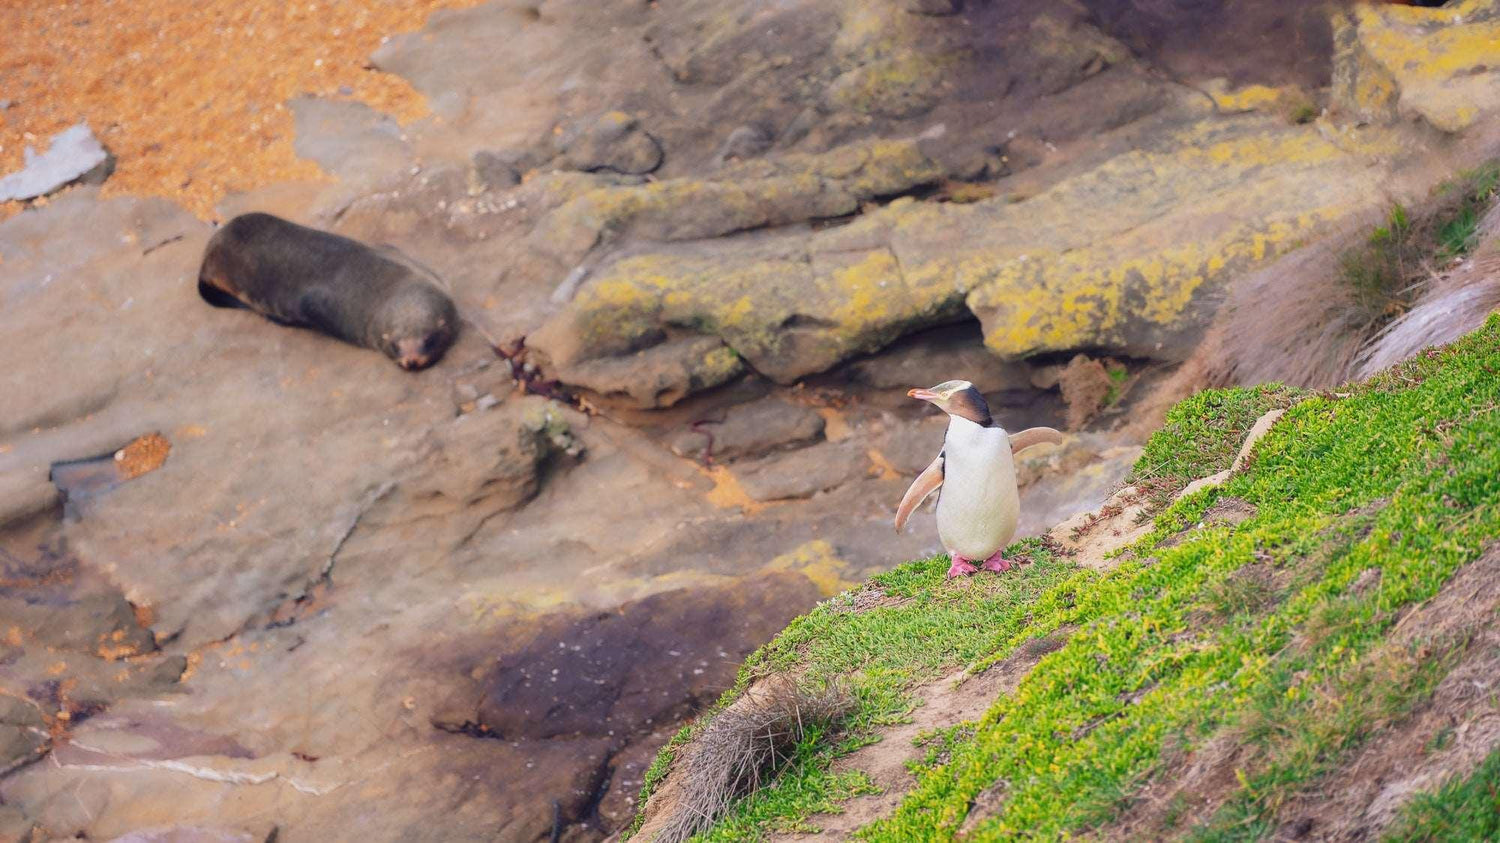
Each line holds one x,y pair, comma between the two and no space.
413,354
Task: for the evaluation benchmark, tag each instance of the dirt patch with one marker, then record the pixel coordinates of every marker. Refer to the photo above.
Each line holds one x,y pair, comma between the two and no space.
1229,511
1447,736
1088,538
1226,512
868,599
949,701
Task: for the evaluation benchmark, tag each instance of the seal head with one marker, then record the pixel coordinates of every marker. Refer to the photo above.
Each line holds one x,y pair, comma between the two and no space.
414,326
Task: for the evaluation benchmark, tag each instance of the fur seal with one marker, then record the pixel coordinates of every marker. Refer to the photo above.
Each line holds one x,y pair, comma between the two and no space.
979,506
294,275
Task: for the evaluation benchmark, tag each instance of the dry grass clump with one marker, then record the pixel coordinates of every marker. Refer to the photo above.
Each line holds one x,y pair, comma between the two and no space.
744,745
1356,302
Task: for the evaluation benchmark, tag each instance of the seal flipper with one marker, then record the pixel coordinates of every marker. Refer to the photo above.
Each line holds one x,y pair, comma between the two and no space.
218,297
926,483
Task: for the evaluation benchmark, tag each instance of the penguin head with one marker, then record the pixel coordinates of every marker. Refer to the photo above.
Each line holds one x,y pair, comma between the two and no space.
959,399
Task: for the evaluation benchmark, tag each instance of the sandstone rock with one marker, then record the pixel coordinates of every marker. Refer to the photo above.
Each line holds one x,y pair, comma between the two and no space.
744,142
788,315
750,430
19,745
932,7
902,85
1044,274
628,773
909,448
470,468
951,353
1439,64
26,495
804,472
349,139
1085,476
14,826
188,834
752,194
492,171
660,375
612,141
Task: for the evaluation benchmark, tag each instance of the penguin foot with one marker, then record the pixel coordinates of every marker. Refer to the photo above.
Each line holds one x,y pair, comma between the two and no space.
998,563
961,568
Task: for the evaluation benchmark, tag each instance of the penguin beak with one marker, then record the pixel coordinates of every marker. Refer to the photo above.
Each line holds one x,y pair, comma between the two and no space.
922,394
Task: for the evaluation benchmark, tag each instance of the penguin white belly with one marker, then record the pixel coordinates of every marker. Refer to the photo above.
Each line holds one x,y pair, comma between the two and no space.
978,505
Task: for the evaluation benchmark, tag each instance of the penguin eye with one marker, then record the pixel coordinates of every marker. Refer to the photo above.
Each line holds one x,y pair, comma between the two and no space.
386,337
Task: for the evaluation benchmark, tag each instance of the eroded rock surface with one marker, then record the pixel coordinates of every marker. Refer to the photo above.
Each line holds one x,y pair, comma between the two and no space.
335,609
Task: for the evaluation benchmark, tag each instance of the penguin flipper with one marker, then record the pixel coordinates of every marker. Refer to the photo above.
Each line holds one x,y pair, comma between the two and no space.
926,483
1034,436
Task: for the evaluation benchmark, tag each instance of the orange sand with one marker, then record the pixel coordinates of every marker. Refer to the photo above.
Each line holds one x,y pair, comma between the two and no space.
190,94
145,454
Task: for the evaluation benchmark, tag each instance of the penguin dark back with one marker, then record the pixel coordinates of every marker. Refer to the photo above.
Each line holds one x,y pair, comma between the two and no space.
300,276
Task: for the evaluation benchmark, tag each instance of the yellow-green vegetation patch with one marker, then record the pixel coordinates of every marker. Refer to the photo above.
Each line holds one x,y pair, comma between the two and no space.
1254,630
1202,435
1147,667
903,628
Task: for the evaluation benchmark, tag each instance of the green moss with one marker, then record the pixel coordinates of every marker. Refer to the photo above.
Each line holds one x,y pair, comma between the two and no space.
922,628
1118,375
1090,722
1462,810
1402,475
1202,435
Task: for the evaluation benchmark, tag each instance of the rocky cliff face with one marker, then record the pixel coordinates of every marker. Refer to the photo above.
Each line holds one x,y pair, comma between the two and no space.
702,250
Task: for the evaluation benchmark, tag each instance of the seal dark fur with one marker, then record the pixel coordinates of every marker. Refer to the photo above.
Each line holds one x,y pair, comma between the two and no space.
294,275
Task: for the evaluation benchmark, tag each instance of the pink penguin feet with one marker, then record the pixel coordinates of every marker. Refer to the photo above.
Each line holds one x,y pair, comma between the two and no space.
998,564
961,568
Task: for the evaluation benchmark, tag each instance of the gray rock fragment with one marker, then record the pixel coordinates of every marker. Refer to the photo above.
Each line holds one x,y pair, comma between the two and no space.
612,141
74,154
492,171
744,142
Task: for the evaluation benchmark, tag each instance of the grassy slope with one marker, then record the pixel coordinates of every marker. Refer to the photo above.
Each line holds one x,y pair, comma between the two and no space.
1177,643
1460,811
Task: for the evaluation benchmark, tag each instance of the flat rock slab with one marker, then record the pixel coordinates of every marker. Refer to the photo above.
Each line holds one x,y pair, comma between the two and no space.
803,473
71,155
750,430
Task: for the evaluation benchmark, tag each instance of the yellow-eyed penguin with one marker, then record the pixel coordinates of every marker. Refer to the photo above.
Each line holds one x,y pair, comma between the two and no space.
979,504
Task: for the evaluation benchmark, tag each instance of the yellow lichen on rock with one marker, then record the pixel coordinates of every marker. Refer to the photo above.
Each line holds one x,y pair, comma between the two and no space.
1059,302
818,561
1439,63
1248,98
